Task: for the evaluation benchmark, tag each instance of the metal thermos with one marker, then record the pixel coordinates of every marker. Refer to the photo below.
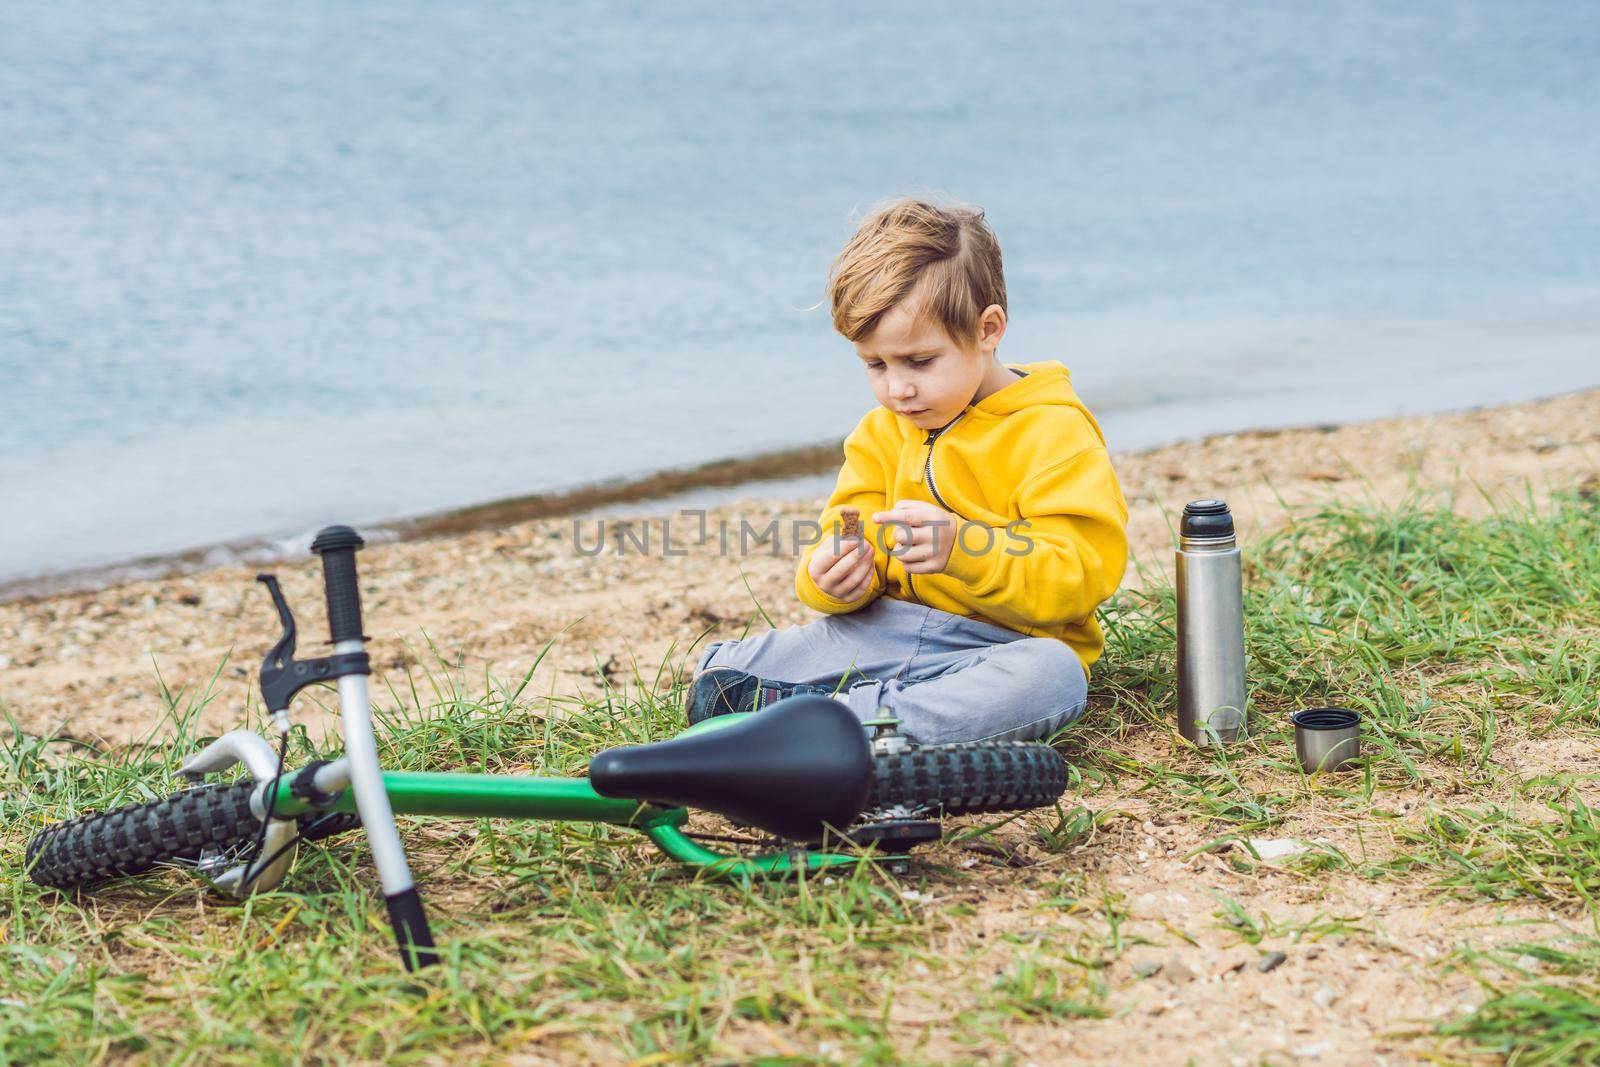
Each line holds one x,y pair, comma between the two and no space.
1211,687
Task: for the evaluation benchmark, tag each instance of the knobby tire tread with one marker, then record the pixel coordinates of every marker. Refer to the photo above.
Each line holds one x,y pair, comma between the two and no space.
140,837
970,778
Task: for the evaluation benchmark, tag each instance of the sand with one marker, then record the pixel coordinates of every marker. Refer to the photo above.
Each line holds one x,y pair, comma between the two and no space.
86,665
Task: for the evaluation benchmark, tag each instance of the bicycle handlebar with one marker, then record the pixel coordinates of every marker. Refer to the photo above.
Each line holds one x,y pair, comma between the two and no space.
337,545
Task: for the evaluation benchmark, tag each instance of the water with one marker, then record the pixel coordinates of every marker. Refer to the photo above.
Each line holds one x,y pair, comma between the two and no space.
264,268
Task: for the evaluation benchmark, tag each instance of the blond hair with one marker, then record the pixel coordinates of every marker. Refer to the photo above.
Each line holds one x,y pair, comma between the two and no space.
947,256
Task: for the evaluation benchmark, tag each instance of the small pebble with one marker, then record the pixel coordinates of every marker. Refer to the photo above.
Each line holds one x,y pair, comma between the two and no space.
1146,968
1322,997
1271,960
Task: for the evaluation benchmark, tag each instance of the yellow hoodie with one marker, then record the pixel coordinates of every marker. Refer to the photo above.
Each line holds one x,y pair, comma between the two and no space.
1043,537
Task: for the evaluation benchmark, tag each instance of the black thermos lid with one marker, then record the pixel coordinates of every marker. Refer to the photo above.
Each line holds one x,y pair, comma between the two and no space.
1206,518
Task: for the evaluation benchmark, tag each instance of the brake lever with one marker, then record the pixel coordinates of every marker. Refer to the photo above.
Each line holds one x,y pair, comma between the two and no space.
282,676
282,652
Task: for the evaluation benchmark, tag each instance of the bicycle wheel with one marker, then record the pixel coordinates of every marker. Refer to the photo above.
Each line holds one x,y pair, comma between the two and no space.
140,837
969,778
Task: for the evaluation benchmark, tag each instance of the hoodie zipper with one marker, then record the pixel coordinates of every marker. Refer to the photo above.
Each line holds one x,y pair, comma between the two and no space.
927,472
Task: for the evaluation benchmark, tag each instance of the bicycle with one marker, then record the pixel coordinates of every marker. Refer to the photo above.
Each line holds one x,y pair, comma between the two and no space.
804,771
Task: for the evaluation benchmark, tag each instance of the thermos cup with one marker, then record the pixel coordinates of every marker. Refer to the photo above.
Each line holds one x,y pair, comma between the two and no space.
1326,739
1211,686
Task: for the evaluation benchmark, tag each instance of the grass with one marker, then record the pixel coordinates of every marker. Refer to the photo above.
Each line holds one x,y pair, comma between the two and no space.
1458,639
1542,1002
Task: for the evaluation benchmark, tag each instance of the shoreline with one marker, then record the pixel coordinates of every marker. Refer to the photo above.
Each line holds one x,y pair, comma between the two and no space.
729,479
655,486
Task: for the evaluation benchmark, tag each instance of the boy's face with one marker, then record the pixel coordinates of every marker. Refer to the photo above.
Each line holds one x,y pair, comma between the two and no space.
918,371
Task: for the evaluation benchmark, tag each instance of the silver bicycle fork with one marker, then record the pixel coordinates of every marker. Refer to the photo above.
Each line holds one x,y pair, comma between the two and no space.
406,914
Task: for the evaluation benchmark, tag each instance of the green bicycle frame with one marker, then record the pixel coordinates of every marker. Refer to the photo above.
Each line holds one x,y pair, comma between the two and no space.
476,796
562,799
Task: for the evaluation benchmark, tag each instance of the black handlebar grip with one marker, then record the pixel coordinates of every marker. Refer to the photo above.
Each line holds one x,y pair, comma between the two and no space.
337,545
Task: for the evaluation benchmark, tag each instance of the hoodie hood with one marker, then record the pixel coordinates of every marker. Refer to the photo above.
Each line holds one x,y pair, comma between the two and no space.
1047,382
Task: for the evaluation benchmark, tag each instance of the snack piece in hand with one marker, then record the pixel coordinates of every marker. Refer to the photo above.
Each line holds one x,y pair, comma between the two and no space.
850,522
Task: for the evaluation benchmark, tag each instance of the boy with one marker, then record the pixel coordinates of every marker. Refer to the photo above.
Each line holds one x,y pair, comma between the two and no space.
976,523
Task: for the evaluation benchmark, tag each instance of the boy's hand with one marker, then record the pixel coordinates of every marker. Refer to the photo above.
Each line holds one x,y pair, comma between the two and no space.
923,534
844,573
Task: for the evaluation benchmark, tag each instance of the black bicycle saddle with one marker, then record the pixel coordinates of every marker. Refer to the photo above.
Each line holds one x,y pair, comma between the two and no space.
803,763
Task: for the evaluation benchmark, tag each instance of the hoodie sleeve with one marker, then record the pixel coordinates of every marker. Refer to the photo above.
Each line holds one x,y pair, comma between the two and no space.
863,484
1064,554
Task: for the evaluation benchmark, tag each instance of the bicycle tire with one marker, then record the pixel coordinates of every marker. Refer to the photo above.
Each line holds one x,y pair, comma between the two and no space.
141,837
969,778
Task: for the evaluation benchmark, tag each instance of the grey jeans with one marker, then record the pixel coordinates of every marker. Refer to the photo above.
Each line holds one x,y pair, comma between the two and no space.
946,677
